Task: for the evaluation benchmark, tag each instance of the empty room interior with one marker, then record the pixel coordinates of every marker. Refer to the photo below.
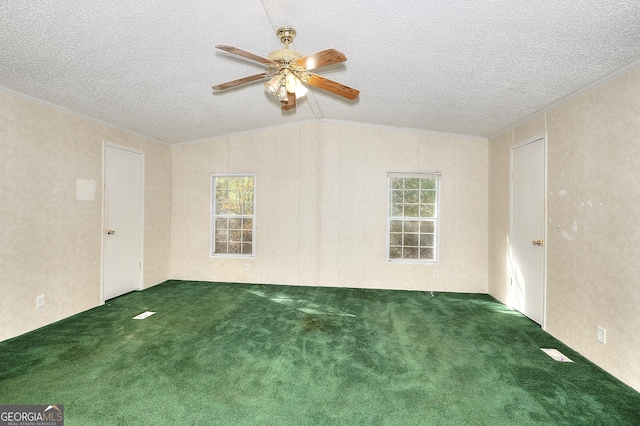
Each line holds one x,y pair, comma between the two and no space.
130,168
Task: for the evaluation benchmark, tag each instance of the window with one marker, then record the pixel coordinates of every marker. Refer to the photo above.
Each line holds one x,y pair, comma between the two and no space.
232,215
413,217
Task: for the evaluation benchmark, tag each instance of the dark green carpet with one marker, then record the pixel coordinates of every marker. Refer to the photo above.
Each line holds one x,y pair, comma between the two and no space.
237,354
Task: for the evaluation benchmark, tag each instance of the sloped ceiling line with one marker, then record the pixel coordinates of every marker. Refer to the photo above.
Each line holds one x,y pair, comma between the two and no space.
274,14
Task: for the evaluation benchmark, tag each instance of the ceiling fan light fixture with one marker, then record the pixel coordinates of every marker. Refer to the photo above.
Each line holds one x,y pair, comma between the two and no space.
291,82
273,85
300,90
282,94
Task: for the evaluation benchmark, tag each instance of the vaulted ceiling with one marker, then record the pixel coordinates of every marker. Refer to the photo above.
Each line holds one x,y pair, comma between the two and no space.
470,68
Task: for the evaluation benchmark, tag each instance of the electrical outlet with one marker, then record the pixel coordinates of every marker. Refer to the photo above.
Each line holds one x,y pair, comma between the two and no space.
602,335
247,267
40,302
435,275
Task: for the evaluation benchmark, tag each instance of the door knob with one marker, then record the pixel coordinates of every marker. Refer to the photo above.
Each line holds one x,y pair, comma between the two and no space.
110,232
539,243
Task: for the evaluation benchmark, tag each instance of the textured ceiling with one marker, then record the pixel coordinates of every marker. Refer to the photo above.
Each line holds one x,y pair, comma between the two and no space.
471,68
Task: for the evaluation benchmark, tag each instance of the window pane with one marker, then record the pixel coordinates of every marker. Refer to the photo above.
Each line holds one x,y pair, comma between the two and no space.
247,208
234,247
395,239
222,208
221,247
397,183
235,235
396,197
411,210
221,223
222,195
235,209
411,196
235,182
396,226
247,224
426,253
410,253
221,236
426,226
247,182
412,183
222,182
396,210
428,196
247,236
426,240
235,223
411,240
395,252
411,226
428,183
246,248
428,210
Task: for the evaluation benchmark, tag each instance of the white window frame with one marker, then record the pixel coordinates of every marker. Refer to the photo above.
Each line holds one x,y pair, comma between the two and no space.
436,219
214,216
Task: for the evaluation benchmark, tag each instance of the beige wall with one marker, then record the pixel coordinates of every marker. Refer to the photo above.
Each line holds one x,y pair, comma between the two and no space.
321,206
593,236
50,241
321,212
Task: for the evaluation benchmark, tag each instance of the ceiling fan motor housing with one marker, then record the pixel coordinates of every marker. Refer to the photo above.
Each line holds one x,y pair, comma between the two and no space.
283,56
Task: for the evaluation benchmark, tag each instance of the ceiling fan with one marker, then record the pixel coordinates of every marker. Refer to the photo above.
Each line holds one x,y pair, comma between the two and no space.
288,69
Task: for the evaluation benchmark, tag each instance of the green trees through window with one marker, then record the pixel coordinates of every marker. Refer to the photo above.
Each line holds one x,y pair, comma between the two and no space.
233,215
413,216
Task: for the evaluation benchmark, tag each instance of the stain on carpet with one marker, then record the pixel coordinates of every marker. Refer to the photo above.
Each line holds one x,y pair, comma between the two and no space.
313,323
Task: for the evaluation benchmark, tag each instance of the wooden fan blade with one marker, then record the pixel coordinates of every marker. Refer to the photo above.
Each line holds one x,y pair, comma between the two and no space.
245,54
240,81
321,59
290,103
332,86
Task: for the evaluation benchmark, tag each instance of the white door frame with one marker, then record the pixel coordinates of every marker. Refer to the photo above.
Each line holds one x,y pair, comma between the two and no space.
104,209
533,139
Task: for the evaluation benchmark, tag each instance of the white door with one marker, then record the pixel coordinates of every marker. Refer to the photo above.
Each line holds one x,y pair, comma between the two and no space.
122,221
527,227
